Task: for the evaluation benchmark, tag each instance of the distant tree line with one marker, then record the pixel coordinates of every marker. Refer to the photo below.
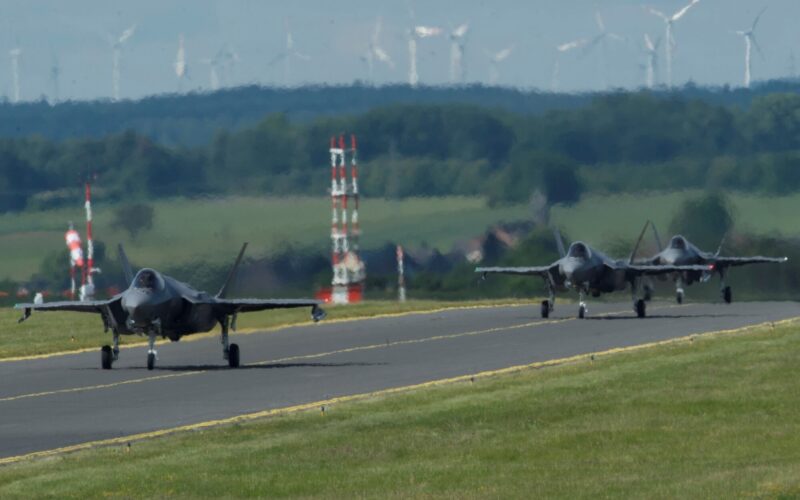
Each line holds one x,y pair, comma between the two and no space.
615,143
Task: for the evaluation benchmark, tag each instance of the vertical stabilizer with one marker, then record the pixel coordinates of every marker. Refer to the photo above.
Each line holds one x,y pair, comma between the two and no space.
232,274
126,265
638,242
559,242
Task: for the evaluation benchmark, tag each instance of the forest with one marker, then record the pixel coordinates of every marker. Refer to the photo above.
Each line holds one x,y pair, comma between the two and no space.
614,143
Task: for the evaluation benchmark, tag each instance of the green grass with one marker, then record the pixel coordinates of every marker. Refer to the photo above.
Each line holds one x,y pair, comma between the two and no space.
213,229
712,418
601,220
49,332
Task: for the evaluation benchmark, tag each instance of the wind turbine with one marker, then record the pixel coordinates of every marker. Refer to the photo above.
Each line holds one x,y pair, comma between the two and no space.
651,51
181,68
561,49
55,76
116,46
749,42
669,40
495,58
457,42
288,53
601,40
227,58
375,51
213,76
15,53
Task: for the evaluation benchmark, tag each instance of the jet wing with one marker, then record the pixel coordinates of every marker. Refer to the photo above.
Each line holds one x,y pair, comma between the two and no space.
90,306
742,261
250,305
525,271
655,270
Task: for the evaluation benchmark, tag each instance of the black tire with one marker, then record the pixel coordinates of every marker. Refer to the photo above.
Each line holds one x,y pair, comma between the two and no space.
151,361
582,312
648,294
679,298
106,357
545,309
641,308
233,356
727,295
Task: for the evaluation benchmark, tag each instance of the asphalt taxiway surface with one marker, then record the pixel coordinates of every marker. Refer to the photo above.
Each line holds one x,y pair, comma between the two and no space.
67,399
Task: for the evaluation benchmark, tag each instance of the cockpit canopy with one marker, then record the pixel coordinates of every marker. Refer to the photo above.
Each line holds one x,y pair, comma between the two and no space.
148,279
579,250
678,243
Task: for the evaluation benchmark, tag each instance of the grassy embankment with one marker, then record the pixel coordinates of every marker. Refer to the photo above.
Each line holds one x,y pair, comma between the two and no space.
711,418
51,332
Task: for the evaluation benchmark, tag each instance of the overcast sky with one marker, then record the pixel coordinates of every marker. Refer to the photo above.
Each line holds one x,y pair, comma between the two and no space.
336,34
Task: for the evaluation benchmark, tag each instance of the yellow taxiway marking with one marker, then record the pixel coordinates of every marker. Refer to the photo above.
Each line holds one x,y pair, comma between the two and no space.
268,329
383,392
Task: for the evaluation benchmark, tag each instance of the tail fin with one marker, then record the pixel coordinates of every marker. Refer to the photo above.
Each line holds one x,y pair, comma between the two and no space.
232,274
658,239
559,242
719,248
638,242
126,265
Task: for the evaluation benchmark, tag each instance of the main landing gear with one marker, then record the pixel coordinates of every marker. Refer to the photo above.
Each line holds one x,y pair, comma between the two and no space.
725,290
108,354
639,304
230,352
548,305
582,309
679,295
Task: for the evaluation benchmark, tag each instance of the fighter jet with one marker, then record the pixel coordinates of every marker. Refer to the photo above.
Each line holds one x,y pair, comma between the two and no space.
589,271
681,252
157,305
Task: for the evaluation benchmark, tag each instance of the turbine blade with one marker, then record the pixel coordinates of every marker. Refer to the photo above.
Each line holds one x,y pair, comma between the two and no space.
460,31
377,33
599,19
758,18
127,34
657,13
427,31
757,46
684,10
649,43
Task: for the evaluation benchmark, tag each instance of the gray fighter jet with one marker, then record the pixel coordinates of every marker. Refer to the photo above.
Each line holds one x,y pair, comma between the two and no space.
681,252
591,272
157,305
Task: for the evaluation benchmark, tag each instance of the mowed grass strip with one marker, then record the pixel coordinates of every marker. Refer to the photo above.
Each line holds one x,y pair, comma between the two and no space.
51,332
716,417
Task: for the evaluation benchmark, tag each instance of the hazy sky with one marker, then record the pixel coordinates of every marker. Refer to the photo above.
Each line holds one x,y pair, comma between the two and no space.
335,34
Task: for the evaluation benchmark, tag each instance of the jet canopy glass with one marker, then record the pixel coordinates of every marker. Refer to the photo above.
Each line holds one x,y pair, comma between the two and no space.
678,243
148,279
579,251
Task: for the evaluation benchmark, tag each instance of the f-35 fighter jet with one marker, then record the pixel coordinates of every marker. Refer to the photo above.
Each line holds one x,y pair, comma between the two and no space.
157,305
681,252
589,271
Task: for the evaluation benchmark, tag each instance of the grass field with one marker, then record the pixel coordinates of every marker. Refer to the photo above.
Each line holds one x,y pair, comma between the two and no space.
600,220
213,229
51,332
712,418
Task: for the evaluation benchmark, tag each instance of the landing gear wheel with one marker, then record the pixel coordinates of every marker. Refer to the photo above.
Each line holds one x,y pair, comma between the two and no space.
582,311
151,360
679,297
106,357
641,308
233,356
727,295
545,309
648,294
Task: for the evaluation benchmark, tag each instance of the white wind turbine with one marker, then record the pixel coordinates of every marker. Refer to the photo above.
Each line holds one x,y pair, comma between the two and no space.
495,58
749,42
601,40
415,34
15,53
651,51
561,49
457,43
213,75
288,53
669,40
375,51
116,46
181,68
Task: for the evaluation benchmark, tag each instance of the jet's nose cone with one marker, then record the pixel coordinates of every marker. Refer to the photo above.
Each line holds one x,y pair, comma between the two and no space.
138,307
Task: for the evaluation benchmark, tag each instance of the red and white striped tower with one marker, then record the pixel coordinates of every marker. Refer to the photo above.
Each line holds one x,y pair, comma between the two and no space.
348,269
87,290
401,275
